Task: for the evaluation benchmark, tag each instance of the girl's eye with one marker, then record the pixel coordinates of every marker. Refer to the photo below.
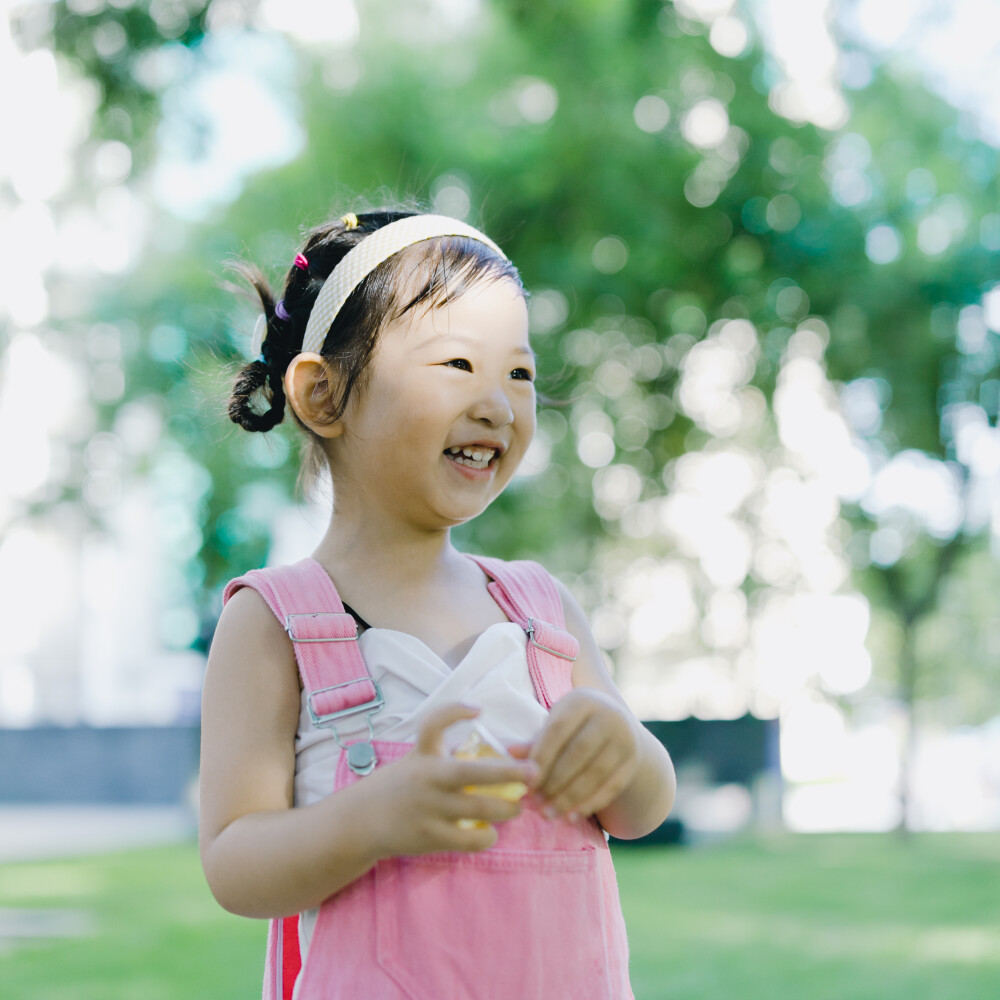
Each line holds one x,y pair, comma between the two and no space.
460,363
522,373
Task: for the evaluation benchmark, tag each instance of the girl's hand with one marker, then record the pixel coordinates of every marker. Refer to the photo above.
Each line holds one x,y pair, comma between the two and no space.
419,798
587,754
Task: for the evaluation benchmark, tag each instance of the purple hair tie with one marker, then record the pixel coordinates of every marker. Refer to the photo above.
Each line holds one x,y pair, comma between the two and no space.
281,312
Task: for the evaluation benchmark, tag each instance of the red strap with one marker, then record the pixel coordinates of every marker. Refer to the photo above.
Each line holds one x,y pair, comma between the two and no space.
283,961
291,959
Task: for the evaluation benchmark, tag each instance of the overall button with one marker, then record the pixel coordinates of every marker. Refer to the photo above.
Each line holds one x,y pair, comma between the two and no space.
361,758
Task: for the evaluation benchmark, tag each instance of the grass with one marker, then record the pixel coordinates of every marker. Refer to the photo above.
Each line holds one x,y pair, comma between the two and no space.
786,918
157,932
817,918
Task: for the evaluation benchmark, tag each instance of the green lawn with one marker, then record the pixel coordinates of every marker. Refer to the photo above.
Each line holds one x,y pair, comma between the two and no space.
802,918
817,918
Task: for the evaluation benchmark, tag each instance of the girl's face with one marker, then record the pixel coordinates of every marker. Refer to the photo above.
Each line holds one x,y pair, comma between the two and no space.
447,413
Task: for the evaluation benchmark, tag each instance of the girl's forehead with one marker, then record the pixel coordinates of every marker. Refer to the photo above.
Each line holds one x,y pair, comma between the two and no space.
482,311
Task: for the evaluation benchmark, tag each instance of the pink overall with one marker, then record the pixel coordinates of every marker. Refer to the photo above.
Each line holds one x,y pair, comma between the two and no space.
535,917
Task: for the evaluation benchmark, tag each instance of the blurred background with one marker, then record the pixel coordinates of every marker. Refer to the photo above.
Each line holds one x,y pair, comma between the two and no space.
762,240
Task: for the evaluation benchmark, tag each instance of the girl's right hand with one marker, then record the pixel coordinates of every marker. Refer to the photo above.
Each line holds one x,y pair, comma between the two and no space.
418,799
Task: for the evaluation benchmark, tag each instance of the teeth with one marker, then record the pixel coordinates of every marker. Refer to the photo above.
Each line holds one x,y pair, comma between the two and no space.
474,458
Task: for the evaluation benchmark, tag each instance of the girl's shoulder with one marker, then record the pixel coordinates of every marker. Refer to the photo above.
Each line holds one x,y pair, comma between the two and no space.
251,648
248,625
263,608
305,580
298,588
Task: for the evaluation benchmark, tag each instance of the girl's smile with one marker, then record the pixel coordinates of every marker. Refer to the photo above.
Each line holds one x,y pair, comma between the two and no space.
473,460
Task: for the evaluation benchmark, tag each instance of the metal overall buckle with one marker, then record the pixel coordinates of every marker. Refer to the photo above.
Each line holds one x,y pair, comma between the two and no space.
534,642
361,757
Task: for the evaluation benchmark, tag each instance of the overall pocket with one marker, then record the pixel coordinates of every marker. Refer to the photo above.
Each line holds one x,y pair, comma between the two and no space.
493,925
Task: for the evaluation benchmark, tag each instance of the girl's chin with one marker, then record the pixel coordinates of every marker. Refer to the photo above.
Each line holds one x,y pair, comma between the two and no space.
460,512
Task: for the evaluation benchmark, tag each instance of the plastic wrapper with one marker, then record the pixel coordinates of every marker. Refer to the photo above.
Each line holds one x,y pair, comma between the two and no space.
473,741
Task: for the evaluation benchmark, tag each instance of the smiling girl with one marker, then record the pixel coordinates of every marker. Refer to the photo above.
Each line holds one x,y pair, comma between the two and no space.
335,687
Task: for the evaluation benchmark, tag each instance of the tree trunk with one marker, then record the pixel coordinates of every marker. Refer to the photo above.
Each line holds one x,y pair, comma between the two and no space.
911,609
908,696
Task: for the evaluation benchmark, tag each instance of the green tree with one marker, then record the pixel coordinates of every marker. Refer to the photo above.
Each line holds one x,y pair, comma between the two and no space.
650,196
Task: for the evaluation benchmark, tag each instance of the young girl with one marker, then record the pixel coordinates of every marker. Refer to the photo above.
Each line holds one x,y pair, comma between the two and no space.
335,687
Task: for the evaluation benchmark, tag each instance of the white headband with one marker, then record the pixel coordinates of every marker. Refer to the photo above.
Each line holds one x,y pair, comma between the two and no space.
362,259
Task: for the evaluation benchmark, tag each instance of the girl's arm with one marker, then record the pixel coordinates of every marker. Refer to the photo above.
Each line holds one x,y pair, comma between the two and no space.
261,857
594,756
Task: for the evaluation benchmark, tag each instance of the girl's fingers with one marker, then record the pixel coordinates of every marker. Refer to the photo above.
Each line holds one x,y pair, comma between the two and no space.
460,773
598,797
586,755
464,820
476,838
449,806
558,733
596,787
590,771
585,746
480,806
450,773
431,734
467,837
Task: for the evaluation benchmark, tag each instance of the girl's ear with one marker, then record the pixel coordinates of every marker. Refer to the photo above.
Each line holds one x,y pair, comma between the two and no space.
310,384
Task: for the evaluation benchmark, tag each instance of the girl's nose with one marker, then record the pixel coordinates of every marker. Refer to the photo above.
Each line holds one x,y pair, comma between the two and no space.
493,408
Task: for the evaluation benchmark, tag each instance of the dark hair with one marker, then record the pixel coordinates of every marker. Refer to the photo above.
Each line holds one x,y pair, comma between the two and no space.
448,265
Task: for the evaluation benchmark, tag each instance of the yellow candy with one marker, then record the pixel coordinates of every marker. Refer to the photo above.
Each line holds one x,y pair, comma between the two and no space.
476,748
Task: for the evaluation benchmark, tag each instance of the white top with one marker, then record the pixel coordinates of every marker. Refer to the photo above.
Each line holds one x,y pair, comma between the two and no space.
493,676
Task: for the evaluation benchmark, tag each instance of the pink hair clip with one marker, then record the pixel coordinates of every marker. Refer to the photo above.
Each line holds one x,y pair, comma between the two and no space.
300,262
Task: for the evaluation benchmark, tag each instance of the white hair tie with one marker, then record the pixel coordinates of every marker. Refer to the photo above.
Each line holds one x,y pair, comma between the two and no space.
363,258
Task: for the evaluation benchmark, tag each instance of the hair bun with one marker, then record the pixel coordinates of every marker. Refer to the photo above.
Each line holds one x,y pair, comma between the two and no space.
255,381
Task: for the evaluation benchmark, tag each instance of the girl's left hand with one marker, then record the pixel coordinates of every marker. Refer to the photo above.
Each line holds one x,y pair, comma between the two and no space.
587,754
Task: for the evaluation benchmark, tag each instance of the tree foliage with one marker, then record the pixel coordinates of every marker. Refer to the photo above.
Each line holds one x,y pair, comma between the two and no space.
649,194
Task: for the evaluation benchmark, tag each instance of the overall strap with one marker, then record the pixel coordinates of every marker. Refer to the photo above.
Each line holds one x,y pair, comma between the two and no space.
527,595
337,684
325,639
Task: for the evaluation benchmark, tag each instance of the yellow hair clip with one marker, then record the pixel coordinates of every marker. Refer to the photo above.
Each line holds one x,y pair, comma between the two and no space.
350,220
